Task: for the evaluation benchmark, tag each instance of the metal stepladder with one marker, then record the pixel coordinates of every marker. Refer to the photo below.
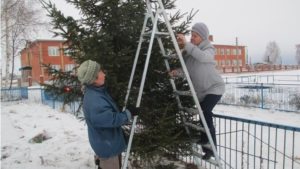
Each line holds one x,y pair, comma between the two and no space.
160,11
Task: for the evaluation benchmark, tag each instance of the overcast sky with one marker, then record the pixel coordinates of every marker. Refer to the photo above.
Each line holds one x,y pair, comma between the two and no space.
254,22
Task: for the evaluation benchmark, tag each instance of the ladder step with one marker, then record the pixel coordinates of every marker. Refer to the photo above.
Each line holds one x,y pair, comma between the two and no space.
195,126
157,34
184,93
182,75
208,145
174,56
211,161
191,111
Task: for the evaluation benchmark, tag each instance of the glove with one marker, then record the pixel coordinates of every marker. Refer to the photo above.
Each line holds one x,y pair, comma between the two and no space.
135,111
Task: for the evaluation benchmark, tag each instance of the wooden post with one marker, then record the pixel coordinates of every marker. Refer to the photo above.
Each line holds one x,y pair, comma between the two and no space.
232,69
224,70
29,81
19,82
41,79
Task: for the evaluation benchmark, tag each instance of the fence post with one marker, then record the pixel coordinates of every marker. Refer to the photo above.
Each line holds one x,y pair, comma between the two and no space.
224,71
19,82
29,81
241,69
262,96
232,69
248,68
41,79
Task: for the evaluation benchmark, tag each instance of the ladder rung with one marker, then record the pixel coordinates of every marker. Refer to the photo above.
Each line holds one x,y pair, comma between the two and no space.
191,111
182,75
157,34
195,126
184,93
208,145
211,161
174,56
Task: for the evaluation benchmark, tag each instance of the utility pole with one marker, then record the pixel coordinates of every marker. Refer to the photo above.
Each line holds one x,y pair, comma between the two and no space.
237,54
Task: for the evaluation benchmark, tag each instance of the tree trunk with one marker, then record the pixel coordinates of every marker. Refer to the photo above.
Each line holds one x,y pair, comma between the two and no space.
8,58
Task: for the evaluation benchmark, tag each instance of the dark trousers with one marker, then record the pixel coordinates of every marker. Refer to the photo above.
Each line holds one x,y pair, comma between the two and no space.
207,105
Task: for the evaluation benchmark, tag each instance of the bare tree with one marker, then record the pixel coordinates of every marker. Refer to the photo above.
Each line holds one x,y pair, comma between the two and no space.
272,53
23,20
298,54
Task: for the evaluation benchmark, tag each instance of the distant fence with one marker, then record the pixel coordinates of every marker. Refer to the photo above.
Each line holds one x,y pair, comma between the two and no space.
264,96
266,79
256,68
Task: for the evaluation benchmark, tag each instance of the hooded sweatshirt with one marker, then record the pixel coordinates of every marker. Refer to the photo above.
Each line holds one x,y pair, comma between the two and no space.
199,61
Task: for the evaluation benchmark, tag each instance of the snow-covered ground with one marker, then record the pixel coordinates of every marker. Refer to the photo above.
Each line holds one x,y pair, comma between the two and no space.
68,146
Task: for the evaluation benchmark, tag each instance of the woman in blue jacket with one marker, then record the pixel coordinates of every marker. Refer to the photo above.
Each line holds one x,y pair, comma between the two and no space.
102,116
208,83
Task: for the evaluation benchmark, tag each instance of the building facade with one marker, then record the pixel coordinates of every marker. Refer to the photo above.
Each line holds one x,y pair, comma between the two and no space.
229,55
44,51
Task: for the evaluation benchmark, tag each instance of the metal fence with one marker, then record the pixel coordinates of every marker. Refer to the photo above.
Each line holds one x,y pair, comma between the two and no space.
242,143
264,96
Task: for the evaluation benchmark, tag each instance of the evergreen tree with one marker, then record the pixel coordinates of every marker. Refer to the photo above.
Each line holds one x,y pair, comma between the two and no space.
108,32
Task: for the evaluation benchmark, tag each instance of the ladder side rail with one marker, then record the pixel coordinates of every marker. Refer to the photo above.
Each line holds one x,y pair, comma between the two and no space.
174,89
194,146
141,89
190,84
135,61
171,79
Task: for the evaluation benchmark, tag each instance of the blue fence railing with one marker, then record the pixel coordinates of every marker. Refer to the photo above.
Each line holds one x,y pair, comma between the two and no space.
14,94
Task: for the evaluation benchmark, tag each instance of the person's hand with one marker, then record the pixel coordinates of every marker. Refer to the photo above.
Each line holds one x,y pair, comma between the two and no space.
181,40
173,72
135,111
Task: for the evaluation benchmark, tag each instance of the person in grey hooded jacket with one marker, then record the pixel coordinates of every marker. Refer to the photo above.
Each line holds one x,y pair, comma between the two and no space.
208,83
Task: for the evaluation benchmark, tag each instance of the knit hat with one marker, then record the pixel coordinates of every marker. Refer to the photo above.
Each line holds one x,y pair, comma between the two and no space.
201,29
88,72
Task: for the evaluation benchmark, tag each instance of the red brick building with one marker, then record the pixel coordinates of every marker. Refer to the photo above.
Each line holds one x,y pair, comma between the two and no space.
44,51
226,55
49,51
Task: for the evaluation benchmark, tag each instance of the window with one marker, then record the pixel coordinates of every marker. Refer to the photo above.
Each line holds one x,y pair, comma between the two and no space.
222,51
216,62
223,62
240,52
234,62
216,51
234,51
227,51
56,67
69,67
240,63
66,51
228,63
53,51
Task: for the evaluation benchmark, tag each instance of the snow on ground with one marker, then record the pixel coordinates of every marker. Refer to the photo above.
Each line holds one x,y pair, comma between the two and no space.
69,146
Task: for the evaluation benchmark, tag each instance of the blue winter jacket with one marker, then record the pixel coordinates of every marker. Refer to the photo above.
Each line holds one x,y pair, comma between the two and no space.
104,122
